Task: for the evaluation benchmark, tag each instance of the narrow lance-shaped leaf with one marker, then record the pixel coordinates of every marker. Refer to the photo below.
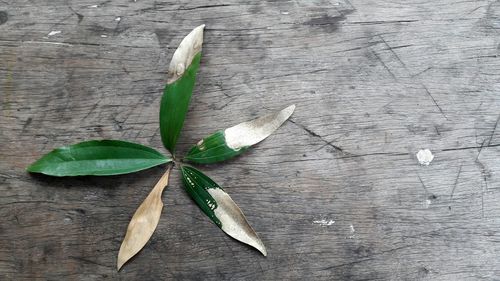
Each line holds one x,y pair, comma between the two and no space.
143,223
219,207
180,83
98,158
226,144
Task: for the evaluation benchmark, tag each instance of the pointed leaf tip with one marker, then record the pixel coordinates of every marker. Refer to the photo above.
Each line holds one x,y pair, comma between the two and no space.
290,109
253,132
233,221
189,47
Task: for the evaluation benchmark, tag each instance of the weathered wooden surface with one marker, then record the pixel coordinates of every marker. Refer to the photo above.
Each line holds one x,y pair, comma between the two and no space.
336,194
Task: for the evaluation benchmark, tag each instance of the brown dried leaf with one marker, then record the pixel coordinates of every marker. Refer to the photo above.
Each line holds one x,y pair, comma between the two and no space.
143,223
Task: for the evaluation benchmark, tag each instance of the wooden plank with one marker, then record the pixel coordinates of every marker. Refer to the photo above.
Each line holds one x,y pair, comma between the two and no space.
336,194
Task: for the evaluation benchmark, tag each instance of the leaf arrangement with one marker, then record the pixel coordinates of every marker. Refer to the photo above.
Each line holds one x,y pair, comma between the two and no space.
115,157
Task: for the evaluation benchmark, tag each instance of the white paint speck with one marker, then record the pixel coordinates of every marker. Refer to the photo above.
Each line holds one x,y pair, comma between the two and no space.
427,203
324,222
94,6
425,157
285,13
104,36
118,19
352,230
54,32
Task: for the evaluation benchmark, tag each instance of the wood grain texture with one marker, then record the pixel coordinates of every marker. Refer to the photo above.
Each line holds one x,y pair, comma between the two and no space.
373,81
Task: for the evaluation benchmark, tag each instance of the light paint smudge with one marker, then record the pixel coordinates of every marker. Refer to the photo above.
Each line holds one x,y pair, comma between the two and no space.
351,229
324,222
425,157
54,32
427,203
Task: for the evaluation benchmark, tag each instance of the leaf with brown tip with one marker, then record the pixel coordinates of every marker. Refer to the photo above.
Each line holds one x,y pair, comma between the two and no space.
231,142
180,84
219,207
143,223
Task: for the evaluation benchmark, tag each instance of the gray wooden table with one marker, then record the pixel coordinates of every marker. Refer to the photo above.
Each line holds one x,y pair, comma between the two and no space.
337,193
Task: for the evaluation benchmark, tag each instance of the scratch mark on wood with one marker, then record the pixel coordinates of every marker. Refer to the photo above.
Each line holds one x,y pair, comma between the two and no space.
88,261
314,134
154,134
27,123
369,44
469,147
382,22
330,143
374,154
385,66
204,7
475,9
494,129
91,110
434,101
401,46
393,52
489,139
456,182
368,258
435,232
482,195
421,72
437,130
480,149
80,16
423,185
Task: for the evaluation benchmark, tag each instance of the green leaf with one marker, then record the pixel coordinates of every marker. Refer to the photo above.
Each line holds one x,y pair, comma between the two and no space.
226,144
219,207
98,158
177,94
